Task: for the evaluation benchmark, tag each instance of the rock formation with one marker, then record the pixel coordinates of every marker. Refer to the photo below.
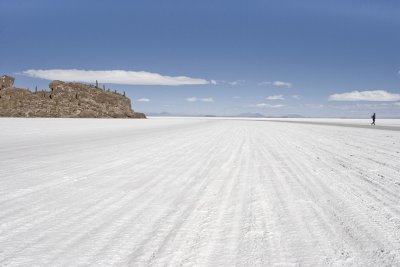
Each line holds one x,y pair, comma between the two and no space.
65,100
6,81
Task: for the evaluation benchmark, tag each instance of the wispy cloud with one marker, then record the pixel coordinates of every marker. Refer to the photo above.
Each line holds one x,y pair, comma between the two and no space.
191,99
276,84
267,106
237,82
234,83
275,97
114,77
264,83
143,100
196,99
207,99
282,84
236,97
296,96
367,106
313,106
375,95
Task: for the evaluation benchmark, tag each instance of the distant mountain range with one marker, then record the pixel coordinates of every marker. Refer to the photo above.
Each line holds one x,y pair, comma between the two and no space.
258,115
241,115
250,115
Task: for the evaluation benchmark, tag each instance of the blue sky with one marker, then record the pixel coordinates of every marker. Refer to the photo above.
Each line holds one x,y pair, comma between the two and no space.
313,58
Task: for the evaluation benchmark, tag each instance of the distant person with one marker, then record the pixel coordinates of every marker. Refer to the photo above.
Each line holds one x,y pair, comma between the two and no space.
373,119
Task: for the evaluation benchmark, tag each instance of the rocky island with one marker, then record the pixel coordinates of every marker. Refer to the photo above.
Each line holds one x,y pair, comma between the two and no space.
64,100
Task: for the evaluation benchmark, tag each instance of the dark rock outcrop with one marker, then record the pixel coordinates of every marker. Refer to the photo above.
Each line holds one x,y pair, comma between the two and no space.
66,100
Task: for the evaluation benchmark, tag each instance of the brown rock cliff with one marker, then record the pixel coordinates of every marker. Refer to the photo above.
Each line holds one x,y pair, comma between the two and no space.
66,100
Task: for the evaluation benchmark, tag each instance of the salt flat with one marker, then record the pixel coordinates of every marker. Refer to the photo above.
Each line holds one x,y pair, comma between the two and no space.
204,192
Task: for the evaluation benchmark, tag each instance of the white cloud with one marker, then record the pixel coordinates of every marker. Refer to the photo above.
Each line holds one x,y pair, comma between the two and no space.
195,99
276,84
282,84
275,97
237,82
191,99
375,95
143,100
264,105
236,97
366,106
114,77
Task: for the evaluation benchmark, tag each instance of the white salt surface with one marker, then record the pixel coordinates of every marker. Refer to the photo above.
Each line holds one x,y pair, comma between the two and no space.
201,192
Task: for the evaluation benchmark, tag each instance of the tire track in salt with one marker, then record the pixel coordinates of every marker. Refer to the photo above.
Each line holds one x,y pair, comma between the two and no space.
349,215
279,184
206,218
371,195
174,219
77,218
39,189
143,211
77,243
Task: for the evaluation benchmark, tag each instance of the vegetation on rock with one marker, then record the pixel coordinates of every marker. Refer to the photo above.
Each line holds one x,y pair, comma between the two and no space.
66,100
